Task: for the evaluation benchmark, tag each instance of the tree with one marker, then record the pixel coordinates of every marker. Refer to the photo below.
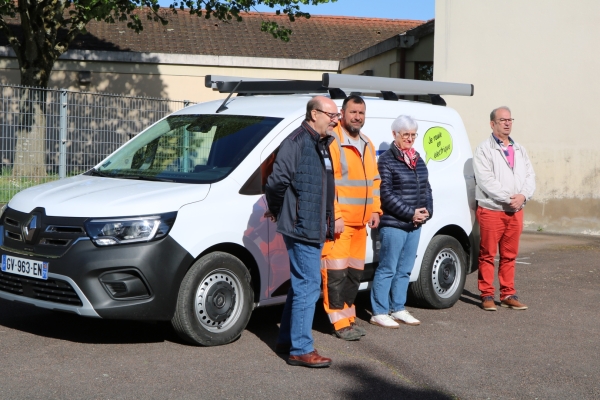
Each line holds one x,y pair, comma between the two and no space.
49,26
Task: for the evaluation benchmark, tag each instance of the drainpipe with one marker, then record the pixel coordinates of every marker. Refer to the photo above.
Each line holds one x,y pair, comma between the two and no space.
405,42
402,72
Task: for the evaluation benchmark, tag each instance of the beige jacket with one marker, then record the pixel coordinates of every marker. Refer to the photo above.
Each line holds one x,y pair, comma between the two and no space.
496,181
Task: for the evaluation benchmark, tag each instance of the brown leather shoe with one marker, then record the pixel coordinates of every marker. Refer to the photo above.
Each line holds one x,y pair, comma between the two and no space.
282,348
487,303
311,360
513,302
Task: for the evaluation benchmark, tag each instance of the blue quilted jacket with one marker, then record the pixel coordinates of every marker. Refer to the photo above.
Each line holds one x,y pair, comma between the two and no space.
402,190
296,190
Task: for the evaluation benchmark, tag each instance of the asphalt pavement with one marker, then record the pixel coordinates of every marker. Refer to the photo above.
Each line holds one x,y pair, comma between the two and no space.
550,351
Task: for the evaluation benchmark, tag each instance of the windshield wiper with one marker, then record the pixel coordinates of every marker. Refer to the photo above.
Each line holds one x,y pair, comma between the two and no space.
95,172
144,178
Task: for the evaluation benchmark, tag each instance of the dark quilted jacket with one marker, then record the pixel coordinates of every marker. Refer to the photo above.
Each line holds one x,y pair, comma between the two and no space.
296,189
402,190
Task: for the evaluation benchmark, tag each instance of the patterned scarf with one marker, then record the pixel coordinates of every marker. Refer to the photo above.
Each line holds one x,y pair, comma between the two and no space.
409,156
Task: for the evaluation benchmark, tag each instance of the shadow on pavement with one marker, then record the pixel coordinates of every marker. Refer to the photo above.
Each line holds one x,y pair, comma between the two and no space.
64,326
264,323
369,386
470,298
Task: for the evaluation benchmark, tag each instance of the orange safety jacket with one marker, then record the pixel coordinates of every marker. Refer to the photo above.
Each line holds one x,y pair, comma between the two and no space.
356,179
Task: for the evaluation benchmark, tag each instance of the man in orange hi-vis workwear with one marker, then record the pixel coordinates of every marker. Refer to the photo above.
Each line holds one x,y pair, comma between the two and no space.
357,204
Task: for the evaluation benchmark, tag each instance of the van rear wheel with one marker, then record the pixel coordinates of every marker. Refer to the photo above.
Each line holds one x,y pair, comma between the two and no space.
214,302
443,273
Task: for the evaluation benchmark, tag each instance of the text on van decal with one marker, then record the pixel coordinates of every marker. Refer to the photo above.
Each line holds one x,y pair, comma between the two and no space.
437,143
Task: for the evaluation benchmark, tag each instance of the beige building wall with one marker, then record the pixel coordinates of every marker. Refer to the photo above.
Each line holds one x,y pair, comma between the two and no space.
381,65
167,76
387,64
541,59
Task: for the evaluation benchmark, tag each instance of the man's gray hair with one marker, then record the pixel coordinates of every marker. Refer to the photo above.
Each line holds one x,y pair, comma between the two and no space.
493,113
312,104
404,123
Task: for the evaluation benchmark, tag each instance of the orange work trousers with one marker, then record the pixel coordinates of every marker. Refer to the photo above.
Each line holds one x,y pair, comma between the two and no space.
342,266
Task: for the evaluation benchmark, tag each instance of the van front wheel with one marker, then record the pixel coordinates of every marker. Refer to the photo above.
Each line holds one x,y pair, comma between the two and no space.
214,302
443,273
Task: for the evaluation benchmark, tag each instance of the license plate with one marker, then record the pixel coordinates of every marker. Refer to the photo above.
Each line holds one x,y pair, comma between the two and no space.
25,267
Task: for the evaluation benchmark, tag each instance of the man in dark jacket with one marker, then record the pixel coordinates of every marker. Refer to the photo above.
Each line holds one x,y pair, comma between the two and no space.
300,193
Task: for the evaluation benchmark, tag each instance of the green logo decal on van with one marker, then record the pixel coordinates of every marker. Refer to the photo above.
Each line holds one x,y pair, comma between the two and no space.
437,143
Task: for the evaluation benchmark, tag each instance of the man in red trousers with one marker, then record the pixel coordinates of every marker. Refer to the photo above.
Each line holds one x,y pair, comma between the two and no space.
505,181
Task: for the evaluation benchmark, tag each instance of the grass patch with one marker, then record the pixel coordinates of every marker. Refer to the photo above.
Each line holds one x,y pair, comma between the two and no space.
11,185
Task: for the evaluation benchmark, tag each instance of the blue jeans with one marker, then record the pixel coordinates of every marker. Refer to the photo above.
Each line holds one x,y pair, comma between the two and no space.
299,310
396,261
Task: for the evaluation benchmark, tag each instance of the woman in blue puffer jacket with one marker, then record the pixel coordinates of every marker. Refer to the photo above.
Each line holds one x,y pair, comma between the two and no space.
406,203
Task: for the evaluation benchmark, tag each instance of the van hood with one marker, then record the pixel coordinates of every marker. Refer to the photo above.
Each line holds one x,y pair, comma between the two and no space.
92,196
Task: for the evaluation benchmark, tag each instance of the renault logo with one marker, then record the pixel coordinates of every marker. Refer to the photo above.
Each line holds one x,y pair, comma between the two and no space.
30,228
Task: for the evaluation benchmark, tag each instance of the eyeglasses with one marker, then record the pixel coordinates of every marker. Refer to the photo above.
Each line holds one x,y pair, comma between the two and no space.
406,135
330,115
503,120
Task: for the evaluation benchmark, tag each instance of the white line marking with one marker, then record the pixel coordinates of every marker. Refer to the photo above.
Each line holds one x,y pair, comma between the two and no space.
517,260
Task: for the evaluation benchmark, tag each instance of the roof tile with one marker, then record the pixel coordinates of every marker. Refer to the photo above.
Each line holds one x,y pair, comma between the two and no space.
319,37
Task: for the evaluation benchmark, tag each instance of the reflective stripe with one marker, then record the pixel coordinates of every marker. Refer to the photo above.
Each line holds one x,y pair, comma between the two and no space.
377,177
353,182
355,202
370,147
376,192
356,263
340,263
342,314
343,162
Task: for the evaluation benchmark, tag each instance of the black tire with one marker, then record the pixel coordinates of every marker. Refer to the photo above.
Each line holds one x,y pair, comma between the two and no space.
214,302
443,273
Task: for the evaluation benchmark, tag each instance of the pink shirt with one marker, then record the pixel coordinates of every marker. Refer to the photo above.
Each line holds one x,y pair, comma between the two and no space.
509,152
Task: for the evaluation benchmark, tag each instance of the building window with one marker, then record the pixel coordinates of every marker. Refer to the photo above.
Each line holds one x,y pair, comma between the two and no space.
424,71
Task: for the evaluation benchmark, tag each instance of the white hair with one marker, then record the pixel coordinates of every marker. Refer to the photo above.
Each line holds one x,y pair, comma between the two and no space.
404,123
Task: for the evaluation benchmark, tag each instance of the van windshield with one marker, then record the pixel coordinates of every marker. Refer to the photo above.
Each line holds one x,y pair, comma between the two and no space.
188,148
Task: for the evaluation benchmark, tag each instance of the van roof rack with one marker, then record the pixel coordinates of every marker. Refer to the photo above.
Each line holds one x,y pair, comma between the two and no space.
373,84
338,85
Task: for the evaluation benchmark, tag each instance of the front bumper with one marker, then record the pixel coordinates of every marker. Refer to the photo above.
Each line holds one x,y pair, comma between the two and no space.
93,281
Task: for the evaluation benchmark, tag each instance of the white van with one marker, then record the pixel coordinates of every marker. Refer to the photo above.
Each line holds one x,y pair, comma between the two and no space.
170,226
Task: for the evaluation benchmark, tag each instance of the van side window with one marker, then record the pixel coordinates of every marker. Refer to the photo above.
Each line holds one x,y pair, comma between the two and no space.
257,181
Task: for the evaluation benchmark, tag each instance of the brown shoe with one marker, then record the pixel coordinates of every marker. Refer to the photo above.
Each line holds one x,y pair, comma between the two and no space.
487,303
282,348
311,360
513,302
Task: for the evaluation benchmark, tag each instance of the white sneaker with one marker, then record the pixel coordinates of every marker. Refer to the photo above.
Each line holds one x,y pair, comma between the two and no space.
405,317
384,321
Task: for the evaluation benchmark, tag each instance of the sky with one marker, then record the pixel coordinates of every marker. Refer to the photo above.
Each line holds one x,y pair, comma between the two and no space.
395,9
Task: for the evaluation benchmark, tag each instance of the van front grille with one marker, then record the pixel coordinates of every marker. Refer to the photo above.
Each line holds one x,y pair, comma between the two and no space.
65,229
11,222
14,236
40,234
54,290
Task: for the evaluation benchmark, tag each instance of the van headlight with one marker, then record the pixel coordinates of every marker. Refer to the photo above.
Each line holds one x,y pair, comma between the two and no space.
108,232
